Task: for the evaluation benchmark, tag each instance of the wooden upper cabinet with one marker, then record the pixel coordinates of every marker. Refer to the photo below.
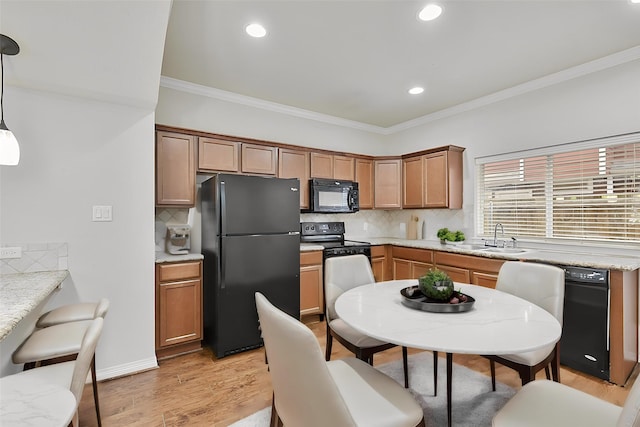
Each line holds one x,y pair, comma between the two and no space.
443,179
331,166
218,155
175,169
388,181
321,165
433,180
343,168
259,159
412,183
365,179
295,164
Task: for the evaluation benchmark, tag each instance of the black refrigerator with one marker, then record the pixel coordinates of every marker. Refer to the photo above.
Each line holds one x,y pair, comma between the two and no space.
251,243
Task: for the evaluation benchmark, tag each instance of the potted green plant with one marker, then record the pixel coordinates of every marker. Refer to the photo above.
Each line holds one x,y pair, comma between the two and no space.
444,234
436,284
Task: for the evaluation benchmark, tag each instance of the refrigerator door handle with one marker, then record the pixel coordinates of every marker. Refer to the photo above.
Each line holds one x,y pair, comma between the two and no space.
223,278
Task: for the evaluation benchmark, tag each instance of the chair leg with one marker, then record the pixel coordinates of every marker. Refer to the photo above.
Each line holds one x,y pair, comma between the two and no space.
95,390
327,352
546,372
527,374
275,419
370,358
405,365
555,364
435,373
492,364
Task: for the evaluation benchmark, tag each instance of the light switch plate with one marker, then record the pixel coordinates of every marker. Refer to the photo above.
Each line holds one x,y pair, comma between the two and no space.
102,213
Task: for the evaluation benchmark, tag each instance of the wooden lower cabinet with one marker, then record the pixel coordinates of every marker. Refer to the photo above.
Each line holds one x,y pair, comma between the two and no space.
488,280
410,263
468,268
379,263
456,274
311,286
178,308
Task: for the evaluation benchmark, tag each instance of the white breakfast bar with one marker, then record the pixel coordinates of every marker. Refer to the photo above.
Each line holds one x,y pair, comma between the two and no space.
498,323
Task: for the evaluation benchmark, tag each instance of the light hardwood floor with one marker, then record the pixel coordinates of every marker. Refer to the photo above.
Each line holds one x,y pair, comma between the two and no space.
199,390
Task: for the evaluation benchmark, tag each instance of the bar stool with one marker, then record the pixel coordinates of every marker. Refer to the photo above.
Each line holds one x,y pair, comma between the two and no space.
61,342
73,313
50,392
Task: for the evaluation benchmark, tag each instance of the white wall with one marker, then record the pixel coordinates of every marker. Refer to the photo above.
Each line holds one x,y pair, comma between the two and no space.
596,105
186,110
77,153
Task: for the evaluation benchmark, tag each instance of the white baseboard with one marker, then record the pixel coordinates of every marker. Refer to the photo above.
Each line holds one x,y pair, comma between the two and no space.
127,369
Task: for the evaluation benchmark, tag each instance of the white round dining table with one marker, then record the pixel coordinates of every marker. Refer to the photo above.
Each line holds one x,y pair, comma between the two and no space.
497,324
25,402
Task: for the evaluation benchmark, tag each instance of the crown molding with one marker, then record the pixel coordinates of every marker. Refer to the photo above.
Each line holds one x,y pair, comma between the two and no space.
600,64
236,98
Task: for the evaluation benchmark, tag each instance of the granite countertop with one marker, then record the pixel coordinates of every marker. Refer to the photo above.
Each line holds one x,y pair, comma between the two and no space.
307,247
554,255
558,256
165,257
21,293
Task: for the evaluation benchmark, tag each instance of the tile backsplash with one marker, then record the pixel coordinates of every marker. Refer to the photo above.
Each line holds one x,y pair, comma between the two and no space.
362,224
36,257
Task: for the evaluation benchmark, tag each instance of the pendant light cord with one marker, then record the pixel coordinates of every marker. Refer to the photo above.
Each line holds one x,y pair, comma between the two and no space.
2,88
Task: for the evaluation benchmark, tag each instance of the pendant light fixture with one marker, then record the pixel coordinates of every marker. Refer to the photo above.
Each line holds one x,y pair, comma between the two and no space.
9,148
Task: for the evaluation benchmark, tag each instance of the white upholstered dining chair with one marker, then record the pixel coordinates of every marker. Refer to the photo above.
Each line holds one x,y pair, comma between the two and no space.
546,403
71,374
542,285
309,391
59,336
340,275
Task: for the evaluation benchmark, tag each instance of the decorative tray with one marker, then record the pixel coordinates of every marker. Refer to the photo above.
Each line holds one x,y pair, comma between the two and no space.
412,297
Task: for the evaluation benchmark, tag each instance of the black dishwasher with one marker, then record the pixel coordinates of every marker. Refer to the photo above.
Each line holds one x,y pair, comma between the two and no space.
584,345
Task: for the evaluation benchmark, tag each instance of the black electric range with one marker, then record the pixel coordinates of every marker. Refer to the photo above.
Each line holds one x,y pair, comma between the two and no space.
330,235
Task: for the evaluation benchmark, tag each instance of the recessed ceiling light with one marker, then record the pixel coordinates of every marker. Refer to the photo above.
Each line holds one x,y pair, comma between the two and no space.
416,90
430,12
634,1
256,30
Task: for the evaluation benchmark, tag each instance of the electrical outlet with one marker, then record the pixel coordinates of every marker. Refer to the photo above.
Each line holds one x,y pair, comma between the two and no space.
11,252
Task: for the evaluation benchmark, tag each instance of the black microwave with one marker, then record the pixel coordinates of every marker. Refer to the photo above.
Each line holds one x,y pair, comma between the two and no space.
333,196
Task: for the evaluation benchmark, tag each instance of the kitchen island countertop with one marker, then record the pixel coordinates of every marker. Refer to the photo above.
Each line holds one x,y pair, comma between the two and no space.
22,292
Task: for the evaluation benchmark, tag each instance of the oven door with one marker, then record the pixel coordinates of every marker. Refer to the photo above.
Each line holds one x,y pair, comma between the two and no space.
333,196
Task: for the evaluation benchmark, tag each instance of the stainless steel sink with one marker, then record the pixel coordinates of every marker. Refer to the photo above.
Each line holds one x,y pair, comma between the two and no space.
506,250
471,247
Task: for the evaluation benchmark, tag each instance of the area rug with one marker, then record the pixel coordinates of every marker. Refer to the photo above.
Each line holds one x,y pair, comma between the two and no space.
474,404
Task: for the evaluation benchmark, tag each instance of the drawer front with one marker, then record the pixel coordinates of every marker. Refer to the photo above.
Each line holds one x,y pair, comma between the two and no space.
311,258
178,271
413,254
468,261
377,251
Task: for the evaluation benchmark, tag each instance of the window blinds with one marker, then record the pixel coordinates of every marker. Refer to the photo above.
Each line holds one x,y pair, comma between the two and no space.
585,191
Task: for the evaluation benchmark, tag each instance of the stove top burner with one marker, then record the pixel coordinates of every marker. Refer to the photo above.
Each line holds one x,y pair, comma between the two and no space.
331,236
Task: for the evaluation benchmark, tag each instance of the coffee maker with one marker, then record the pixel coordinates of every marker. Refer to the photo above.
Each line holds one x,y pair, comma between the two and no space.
178,239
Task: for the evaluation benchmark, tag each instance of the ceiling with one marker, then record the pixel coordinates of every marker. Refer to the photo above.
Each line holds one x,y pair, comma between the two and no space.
346,61
355,60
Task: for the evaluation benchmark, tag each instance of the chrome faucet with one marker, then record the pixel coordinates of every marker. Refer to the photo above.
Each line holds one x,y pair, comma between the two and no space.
495,234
